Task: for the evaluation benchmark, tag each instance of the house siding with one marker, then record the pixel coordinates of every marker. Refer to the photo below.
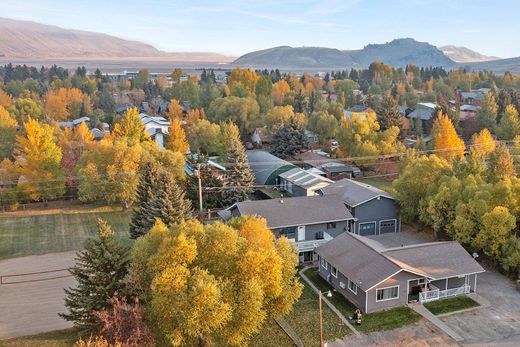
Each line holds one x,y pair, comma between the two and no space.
357,299
376,211
401,280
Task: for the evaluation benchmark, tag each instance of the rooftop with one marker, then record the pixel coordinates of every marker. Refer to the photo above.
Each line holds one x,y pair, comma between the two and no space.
354,193
304,178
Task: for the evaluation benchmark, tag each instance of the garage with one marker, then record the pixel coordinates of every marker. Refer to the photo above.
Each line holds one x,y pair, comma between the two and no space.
387,226
367,229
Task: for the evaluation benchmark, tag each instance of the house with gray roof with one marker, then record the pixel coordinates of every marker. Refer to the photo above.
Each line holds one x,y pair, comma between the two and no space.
299,182
309,221
374,277
266,167
423,112
375,211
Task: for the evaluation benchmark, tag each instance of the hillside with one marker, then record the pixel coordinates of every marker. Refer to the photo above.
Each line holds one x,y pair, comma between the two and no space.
24,39
396,53
465,55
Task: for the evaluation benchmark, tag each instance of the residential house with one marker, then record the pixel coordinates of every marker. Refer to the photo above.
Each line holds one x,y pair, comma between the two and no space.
266,167
210,164
156,126
299,182
424,112
374,277
474,97
308,221
468,111
121,109
333,169
375,211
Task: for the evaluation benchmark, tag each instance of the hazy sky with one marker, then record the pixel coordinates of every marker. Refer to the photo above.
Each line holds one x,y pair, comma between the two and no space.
235,27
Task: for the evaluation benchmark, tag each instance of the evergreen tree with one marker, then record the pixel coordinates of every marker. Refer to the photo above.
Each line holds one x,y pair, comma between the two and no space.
139,224
169,203
239,178
288,140
100,269
389,115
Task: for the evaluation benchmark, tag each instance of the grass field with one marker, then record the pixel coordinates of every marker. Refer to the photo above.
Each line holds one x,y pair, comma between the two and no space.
58,338
377,321
450,305
378,182
33,233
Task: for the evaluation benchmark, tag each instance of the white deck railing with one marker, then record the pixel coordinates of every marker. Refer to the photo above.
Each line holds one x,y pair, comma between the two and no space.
441,294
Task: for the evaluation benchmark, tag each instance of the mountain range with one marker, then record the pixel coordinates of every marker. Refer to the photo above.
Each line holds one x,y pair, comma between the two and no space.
25,39
31,42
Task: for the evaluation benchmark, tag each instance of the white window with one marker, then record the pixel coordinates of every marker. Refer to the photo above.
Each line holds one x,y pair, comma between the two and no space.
324,264
388,293
334,271
352,287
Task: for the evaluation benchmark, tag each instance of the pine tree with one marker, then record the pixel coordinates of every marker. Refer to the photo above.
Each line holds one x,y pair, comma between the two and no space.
139,224
100,269
389,113
169,203
239,178
288,140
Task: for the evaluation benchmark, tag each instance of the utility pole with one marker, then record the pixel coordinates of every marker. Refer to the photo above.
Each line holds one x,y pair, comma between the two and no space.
321,323
200,189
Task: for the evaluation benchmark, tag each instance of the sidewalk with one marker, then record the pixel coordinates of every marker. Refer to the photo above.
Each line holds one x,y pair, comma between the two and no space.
423,311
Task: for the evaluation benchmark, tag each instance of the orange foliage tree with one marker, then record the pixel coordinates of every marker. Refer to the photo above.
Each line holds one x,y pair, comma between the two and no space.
448,144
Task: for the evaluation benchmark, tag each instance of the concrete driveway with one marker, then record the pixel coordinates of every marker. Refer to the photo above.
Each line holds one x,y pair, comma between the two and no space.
33,307
498,324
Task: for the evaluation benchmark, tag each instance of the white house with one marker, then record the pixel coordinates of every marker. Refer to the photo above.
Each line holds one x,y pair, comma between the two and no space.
156,126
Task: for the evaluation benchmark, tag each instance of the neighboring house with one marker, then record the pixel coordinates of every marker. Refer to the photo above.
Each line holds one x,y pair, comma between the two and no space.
375,278
156,127
375,211
336,170
74,123
299,182
163,108
424,112
359,109
309,221
468,111
121,109
215,168
266,167
472,98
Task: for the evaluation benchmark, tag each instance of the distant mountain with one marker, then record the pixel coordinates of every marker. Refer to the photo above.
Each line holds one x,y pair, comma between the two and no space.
397,53
24,39
465,55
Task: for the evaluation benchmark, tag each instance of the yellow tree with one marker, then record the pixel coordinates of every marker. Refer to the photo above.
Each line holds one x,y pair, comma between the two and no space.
483,142
39,162
8,127
215,283
174,110
177,137
280,88
56,106
5,99
448,144
73,143
132,128
247,78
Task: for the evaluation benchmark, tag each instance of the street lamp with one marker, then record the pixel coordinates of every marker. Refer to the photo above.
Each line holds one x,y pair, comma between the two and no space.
329,295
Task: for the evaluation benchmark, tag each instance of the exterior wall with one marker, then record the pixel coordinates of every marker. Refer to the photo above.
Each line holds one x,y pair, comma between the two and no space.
455,282
311,230
472,281
401,279
357,299
377,211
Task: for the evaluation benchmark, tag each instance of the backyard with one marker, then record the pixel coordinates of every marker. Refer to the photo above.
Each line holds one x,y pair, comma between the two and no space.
56,230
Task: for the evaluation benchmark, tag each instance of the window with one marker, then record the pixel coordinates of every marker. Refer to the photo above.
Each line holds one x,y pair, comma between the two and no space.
352,287
324,264
331,225
320,235
289,232
334,271
387,293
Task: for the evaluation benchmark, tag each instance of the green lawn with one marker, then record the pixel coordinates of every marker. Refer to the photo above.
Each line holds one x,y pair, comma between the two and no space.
39,233
450,305
58,338
377,321
378,182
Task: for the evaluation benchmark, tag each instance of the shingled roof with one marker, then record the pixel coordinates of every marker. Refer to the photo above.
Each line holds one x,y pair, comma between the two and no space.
353,192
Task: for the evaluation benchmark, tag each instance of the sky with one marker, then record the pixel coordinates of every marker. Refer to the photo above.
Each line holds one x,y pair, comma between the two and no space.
234,27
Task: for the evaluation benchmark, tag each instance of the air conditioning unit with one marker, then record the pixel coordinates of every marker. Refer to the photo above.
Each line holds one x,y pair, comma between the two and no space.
342,285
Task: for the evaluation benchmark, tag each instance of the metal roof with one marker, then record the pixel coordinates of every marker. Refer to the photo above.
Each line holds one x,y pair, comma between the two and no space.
304,179
266,166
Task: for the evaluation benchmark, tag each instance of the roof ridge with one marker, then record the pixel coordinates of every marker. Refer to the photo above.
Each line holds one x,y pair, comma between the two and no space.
424,244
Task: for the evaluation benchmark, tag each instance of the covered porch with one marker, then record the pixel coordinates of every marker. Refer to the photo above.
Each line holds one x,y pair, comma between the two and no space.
428,289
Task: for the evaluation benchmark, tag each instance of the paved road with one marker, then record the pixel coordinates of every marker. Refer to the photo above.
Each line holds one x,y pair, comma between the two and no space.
497,324
31,308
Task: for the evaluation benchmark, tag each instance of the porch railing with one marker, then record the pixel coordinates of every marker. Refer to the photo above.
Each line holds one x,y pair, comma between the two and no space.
441,294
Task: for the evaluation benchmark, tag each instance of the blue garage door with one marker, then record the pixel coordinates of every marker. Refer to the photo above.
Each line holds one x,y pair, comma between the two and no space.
366,229
387,226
